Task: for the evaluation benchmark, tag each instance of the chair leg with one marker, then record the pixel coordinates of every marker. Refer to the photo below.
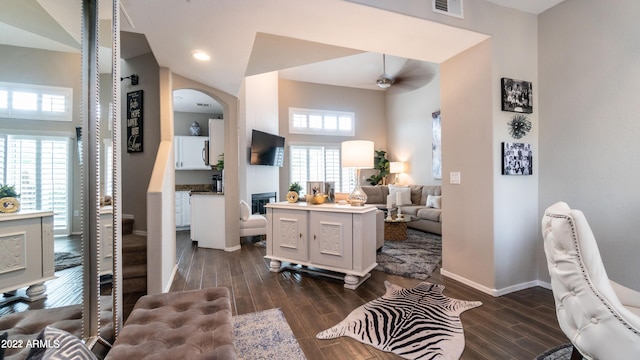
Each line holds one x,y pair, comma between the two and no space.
575,355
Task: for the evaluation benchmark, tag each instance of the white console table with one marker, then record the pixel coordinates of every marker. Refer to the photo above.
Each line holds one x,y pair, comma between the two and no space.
26,252
325,239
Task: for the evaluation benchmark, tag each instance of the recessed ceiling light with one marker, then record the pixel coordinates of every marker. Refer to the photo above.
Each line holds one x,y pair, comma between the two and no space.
200,55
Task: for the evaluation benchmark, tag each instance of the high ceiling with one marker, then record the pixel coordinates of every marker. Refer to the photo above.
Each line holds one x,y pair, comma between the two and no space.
330,41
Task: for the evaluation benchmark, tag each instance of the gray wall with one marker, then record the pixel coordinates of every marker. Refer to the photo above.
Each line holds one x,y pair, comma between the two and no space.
368,106
409,126
589,123
51,68
137,167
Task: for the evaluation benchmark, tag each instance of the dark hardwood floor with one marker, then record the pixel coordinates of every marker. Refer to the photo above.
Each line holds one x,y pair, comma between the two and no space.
515,326
520,325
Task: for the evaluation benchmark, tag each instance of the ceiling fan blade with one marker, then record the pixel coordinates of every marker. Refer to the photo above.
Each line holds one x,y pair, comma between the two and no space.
414,75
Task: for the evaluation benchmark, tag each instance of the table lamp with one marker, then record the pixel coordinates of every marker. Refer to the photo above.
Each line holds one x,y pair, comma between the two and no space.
396,167
357,154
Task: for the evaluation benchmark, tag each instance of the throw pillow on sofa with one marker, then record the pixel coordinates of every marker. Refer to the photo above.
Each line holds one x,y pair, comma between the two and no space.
405,195
434,201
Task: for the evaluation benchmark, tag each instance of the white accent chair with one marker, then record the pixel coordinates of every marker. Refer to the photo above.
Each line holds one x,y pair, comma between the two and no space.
251,224
599,316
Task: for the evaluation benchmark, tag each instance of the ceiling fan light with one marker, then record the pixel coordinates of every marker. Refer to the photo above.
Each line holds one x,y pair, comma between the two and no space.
384,82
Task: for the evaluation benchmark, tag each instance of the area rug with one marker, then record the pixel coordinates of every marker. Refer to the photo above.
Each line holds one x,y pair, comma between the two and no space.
265,335
562,352
66,260
415,323
416,257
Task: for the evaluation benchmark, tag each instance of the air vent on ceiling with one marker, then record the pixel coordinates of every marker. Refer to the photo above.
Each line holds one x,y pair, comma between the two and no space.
203,105
448,7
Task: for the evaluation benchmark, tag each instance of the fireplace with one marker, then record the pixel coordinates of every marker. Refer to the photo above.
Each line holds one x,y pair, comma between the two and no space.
258,201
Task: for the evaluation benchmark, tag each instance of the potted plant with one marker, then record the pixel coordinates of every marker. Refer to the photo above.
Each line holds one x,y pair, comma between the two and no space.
220,164
294,192
381,164
9,199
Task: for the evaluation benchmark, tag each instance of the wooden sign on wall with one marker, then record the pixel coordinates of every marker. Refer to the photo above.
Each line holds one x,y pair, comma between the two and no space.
134,121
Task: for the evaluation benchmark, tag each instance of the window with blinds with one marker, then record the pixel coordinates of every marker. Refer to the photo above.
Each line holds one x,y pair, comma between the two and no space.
35,102
39,168
321,122
319,163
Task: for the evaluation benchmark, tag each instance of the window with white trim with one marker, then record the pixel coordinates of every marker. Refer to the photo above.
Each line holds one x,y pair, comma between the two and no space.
35,102
319,163
321,122
39,168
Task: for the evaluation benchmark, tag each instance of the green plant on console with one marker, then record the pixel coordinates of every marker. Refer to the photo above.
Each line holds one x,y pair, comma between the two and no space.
381,164
295,187
220,164
8,191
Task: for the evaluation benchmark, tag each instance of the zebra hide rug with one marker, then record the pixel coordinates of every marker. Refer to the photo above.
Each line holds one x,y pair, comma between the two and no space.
416,323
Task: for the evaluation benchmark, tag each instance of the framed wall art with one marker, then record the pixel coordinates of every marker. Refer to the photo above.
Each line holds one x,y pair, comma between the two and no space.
517,159
517,96
436,145
134,121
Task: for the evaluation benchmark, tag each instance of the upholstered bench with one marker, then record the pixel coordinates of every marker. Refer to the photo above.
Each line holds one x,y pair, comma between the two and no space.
178,325
27,325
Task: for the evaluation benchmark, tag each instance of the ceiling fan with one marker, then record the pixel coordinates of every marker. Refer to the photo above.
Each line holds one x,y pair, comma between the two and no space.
384,81
413,75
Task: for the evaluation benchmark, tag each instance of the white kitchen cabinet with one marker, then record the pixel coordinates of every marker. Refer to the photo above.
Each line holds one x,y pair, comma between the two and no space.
183,209
189,152
106,240
207,220
313,238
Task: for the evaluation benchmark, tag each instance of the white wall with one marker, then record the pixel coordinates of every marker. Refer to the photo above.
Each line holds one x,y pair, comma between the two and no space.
261,113
589,126
409,126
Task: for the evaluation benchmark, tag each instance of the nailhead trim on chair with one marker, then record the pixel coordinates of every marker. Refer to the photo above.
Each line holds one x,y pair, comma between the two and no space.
585,274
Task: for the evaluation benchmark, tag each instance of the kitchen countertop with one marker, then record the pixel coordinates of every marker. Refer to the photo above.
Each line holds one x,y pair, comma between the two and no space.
197,192
193,187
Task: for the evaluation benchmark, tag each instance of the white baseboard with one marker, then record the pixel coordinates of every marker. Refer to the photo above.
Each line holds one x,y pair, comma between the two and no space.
495,292
140,232
173,275
233,248
127,216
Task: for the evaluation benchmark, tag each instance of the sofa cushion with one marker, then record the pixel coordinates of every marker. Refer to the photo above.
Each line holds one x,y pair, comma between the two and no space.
434,201
405,195
429,214
376,194
411,209
429,190
416,194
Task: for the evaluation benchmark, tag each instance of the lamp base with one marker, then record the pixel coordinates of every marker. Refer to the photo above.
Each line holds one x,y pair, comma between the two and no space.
358,197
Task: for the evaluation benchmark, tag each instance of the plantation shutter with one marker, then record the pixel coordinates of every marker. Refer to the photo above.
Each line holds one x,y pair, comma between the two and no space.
38,167
319,163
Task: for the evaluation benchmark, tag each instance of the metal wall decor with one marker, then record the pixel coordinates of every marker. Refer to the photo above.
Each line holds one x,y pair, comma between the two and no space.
519,126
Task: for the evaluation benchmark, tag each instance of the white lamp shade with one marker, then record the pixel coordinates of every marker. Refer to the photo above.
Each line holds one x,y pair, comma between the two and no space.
357,154
396,167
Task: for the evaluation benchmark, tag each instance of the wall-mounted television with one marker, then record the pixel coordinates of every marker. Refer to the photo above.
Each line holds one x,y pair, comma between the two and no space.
266,149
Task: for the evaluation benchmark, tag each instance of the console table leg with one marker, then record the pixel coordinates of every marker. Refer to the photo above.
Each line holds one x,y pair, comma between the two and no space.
36,292
275,266
353,282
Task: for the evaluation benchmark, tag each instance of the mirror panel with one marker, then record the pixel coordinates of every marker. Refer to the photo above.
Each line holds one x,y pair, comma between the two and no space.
58,108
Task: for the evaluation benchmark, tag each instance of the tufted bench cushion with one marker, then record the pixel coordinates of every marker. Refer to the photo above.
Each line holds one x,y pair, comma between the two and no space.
178,325
27,325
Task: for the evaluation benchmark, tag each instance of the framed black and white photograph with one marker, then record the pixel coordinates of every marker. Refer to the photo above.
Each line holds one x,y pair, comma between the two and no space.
517,96
436,145
517,159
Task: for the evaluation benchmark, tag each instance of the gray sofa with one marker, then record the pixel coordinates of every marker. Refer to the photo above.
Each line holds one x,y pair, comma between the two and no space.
430,218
